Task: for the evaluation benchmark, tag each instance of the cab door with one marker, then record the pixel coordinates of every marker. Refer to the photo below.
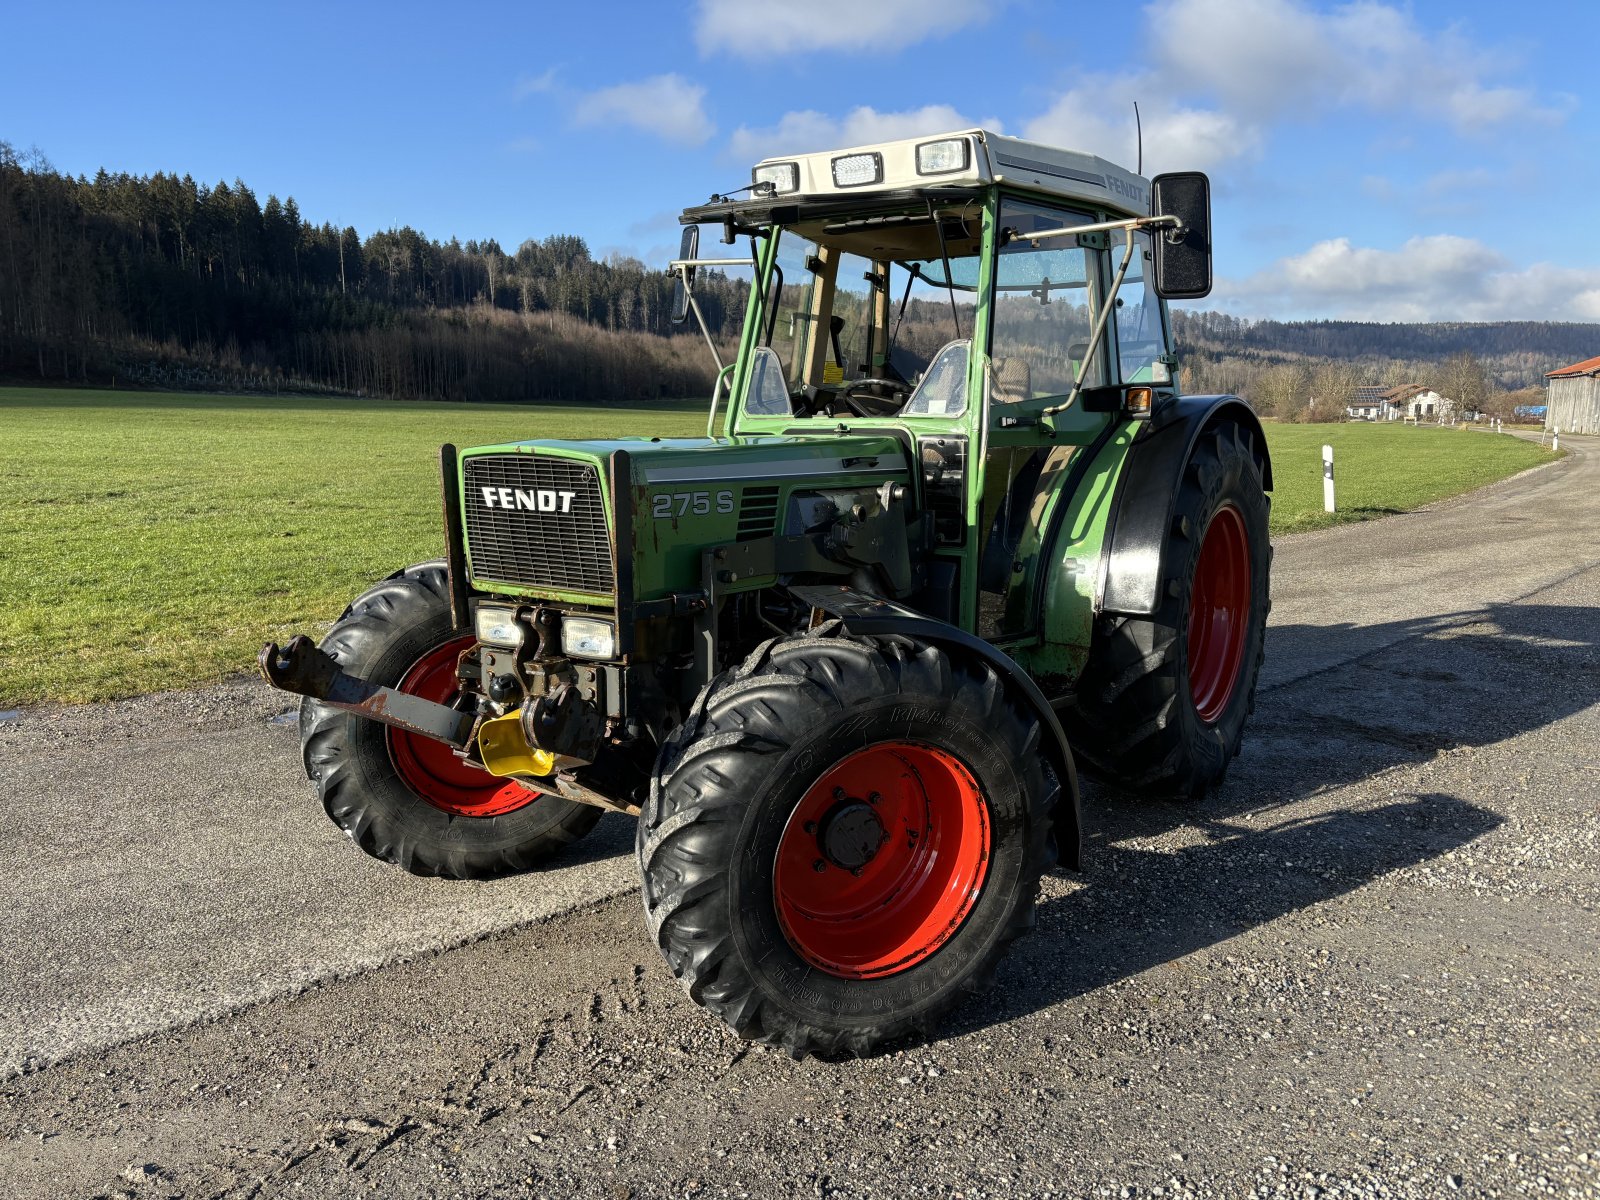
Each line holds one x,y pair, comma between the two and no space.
1042,309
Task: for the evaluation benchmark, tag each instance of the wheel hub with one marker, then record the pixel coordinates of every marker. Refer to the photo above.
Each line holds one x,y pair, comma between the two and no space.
868,888
851,834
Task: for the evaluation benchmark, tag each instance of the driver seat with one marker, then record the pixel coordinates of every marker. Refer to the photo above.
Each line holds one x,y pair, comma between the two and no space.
1013,381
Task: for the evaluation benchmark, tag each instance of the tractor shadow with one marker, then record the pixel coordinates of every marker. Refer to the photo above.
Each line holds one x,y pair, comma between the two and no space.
1468,679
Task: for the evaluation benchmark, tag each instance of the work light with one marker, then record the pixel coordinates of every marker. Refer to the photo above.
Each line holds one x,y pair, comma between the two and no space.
585,637
498,627
944,156
781,177
858,170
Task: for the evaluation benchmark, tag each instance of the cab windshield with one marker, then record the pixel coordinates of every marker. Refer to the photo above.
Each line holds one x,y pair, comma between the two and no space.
871,315
859,311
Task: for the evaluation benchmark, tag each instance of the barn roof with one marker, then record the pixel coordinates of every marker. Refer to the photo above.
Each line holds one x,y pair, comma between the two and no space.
1589,366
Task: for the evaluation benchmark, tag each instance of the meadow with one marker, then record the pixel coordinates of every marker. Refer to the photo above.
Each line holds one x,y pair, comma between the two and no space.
152,540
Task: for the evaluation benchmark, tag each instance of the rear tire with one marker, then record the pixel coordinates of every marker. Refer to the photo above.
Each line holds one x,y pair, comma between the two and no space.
404,798
916,784
1161,704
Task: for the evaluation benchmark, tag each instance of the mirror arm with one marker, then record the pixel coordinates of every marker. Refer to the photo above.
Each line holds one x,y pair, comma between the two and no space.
1173,224
1099,328
682,268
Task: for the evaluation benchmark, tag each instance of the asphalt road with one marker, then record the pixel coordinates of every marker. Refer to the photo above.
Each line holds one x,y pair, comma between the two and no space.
1367,965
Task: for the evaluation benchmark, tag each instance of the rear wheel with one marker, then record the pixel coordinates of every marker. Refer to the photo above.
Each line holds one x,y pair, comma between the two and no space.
1161,704
405,798
842,839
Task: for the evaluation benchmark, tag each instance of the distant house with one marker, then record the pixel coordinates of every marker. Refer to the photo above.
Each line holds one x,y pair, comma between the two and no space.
1417,400
1574,398
1371,403
1374,402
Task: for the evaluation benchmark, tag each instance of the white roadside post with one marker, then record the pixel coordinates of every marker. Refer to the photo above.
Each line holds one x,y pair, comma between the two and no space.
1555,438
1327,479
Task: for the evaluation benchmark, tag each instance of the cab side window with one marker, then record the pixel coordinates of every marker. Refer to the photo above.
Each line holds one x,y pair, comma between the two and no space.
1044,307
1141,336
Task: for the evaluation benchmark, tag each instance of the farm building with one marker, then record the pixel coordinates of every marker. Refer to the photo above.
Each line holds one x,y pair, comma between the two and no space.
1413,401
1574,398
1417,400
1371,403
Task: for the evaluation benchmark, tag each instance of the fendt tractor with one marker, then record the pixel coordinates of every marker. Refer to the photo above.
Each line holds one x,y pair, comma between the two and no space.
952,529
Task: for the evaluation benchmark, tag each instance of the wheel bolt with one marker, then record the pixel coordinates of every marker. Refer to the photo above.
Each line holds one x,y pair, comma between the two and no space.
819,865
810,827
839,793
856,872
874,798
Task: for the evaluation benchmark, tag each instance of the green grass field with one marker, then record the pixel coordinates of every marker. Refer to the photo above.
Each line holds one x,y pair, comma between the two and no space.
150,541
1384,469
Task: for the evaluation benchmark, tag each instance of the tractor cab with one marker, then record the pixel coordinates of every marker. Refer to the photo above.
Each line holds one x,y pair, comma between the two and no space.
998,303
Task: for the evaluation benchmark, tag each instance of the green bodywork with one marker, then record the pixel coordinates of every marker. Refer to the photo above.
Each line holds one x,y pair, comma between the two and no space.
685,497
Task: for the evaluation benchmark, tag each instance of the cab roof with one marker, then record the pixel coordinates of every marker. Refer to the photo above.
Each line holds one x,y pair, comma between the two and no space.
981,158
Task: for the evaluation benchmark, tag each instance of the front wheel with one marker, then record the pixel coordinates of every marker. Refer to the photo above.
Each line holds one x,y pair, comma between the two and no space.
842,839
1161,704
405,798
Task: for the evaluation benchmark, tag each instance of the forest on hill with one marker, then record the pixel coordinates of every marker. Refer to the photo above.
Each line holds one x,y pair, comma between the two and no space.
158,280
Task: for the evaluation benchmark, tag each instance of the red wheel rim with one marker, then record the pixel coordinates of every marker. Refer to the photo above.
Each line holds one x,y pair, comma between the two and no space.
869,919
431,769
1219,613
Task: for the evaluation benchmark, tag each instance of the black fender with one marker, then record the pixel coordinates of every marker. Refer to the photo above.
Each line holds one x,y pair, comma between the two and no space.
868,615
1141,513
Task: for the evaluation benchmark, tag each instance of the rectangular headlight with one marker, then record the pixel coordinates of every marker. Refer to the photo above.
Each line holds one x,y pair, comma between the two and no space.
858,170
585,637
498,627
784,177
944,156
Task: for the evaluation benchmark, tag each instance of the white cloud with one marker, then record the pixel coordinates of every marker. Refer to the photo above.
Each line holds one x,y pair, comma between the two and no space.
1436,278
1263,58
1097,116
532,85
1226,71
781,29
668,106
808,130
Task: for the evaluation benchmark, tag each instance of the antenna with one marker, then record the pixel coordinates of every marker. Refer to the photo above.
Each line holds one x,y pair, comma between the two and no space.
1139,131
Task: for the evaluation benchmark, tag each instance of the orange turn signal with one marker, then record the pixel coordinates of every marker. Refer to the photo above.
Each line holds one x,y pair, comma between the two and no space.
1139,400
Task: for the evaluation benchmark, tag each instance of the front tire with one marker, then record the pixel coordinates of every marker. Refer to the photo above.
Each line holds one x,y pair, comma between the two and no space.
405,798
843,838
1160,706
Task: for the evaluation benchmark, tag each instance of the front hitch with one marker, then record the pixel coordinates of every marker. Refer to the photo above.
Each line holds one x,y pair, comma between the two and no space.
301,668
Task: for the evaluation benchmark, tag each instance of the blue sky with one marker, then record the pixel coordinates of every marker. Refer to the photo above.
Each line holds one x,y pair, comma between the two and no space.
1373,160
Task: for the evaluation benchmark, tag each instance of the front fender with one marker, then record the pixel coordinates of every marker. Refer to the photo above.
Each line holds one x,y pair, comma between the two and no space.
868,615
1141,513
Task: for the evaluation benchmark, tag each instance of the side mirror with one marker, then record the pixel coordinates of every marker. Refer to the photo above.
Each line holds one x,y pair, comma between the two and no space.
1183,260
683,277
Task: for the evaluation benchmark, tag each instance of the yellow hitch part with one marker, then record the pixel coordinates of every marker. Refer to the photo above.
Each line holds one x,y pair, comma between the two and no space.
505,748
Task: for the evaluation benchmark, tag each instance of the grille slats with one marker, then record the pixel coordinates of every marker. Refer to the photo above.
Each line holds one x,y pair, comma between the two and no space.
566,551
758,513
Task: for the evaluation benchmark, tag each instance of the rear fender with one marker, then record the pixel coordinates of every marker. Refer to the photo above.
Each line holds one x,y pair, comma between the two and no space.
869,615
1141,514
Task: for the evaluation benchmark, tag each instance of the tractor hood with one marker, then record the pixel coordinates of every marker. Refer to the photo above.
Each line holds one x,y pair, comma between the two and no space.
587,521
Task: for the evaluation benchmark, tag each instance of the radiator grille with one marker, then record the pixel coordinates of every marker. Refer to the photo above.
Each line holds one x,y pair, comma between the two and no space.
553,532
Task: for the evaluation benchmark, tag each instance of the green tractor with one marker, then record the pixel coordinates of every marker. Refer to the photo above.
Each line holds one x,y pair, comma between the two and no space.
953,530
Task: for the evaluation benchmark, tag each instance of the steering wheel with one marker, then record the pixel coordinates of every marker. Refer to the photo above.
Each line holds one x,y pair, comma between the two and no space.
874,397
